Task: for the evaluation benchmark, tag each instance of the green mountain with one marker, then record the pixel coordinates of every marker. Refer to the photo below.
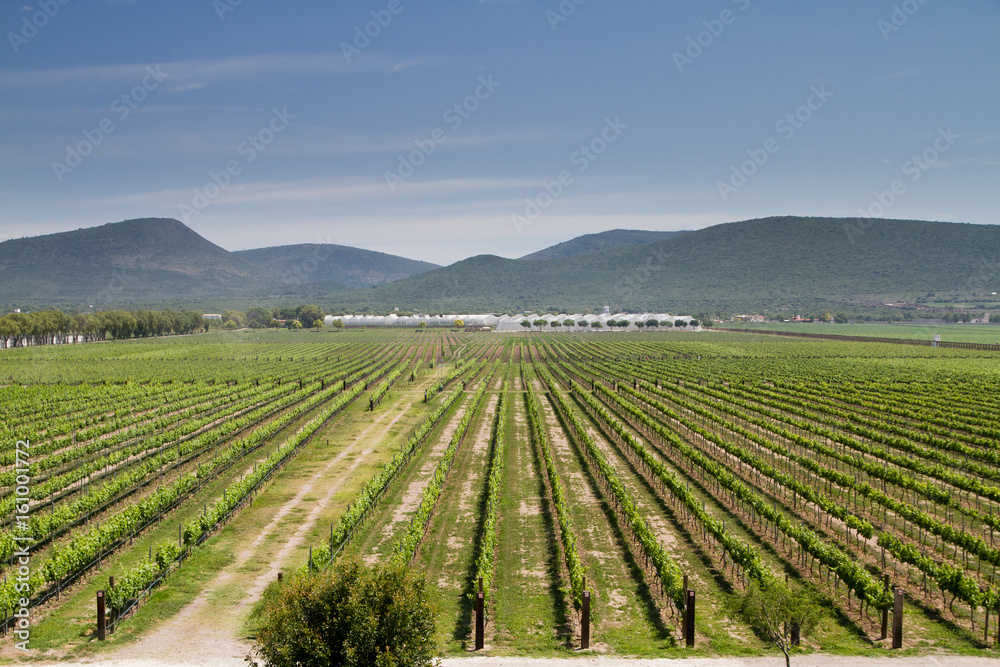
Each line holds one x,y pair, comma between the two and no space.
770,264
330,263
781,263
157,262
590,242
145,260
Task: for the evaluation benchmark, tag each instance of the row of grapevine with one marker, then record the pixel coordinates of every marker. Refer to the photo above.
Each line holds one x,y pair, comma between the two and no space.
577,572
486,553
376,486
142,574
668,572
67,560
407,544
854,575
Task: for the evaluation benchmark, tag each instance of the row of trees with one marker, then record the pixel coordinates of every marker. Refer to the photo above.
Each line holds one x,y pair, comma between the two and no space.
49,327
896,316
596,324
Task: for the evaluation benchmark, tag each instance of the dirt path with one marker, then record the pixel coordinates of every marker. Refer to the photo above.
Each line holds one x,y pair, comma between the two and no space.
217,629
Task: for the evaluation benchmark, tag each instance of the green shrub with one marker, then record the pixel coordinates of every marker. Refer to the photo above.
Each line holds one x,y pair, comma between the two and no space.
350,615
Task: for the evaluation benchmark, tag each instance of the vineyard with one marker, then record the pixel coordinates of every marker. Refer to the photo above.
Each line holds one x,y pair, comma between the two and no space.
534,467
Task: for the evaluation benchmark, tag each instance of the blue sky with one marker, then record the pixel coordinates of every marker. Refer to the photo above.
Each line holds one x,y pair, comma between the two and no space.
461,127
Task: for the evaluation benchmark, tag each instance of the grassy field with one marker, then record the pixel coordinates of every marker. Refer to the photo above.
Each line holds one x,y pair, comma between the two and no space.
963,333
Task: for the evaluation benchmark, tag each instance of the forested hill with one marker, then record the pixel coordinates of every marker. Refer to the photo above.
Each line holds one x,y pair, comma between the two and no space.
330,263
591,242
780,263
152,261
769,263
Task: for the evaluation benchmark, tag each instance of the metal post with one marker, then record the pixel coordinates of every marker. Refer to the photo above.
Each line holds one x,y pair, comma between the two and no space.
689,620
585,628
479,621
101,621
897,619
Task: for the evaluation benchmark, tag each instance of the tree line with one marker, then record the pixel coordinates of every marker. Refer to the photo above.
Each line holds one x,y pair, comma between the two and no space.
51,327
596,324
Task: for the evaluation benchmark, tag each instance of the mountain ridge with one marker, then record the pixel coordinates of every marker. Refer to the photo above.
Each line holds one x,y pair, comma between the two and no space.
777,263
765,264
161,260
591,242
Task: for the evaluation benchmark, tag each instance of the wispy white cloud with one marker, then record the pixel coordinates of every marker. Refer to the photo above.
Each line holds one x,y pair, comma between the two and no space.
316,190
905,73
189,74
986,138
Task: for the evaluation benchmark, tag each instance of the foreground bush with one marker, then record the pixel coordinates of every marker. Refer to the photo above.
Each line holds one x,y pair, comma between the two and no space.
350,615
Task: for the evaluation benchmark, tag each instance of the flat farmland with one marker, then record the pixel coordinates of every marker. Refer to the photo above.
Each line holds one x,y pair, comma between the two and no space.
549,466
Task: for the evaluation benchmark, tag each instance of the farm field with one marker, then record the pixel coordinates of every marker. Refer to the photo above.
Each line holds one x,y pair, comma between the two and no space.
545,465
958,333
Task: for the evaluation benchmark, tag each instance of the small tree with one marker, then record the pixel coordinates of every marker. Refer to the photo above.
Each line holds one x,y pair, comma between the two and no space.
596,324
651,322
639,324
777,611
422,325
294,324
841,318
258,317
351,615
458,323
555,323
568,323
308,314
526,324
539,323
317,324
337,323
